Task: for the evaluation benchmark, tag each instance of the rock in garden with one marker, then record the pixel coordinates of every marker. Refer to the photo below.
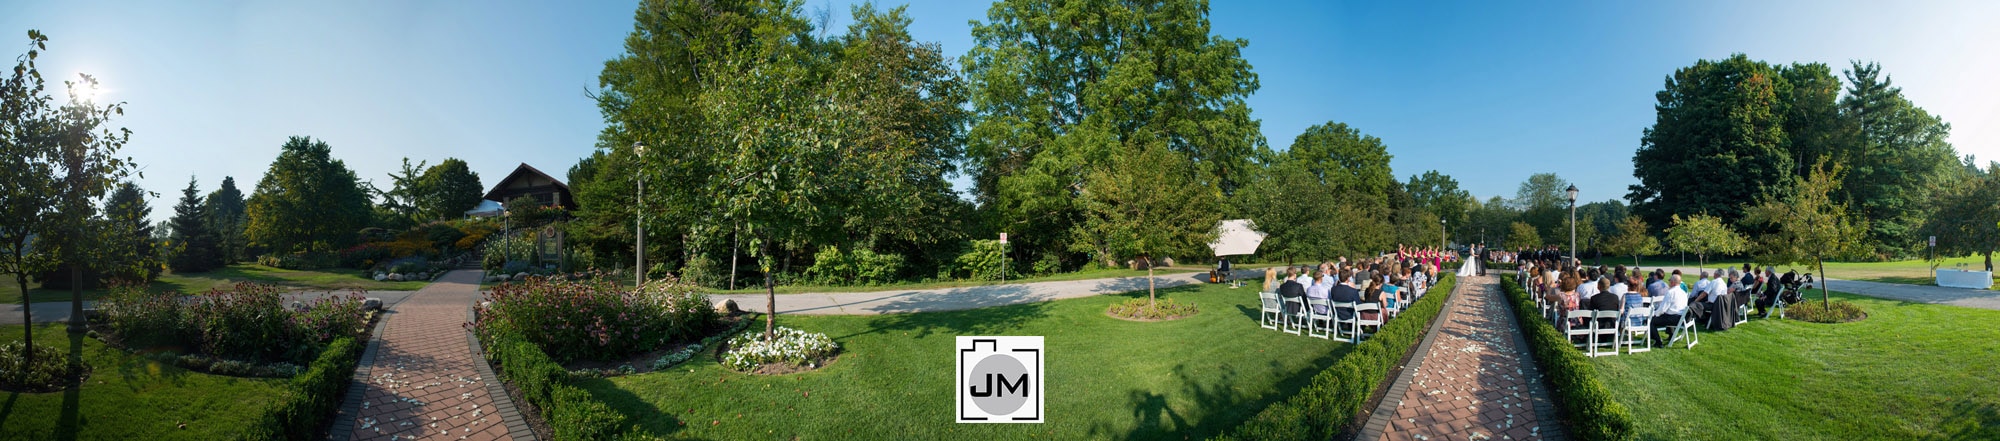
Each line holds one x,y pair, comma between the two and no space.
371,304
727,307
1166,261
520,275
380,277
395,277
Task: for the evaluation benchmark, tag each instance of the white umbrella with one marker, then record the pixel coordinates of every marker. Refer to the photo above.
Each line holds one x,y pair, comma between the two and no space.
1236,237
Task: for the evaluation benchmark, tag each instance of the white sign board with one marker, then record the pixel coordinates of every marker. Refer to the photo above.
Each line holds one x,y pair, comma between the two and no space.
1003,238
1933,240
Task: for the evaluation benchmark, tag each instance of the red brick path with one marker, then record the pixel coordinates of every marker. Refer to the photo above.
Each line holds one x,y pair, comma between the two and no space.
1477,382
424,384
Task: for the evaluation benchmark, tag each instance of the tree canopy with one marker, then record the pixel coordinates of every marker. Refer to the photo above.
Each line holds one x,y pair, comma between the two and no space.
447,190
307,201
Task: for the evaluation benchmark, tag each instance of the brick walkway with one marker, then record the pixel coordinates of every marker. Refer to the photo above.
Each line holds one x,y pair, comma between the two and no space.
424,382
1477,382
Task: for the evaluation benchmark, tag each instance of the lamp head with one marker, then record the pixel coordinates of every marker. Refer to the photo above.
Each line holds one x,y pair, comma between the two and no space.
1571,192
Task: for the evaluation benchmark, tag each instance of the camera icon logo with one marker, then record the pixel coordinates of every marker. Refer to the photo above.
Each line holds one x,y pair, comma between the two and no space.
1000,379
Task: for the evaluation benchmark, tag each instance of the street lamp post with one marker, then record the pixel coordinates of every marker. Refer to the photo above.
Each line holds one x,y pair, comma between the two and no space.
638,206
1441,239
1571,193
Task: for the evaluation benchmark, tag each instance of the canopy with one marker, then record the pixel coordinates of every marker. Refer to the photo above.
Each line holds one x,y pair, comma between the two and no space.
1236,237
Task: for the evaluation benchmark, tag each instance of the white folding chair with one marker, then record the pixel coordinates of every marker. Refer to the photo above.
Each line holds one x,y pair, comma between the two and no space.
1272,312
1572,331
1295,320
1685,329
1359,320
1603,336
1341,324
1643,329
1320,324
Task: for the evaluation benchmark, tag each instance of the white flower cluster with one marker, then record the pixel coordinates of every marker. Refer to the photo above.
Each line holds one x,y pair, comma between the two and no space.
676,357
750,350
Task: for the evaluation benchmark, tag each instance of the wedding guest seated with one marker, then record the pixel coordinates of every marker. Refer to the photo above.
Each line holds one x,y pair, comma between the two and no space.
1667,313
1322,288
1606,300
1635,297
1292,293
1570,300
1345,292
1371,292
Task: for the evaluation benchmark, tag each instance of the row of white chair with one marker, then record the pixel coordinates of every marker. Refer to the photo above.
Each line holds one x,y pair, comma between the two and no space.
1307,319
1623,333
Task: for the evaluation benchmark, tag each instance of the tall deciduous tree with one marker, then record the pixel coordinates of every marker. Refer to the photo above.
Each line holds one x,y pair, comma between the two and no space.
199,249
1632,238
1544,205
1520,235
307,201
1967,211
1058,88
87,151
1295,212
1703,235
1810,224
226,218
1439,194
1148,204
1718,141
28,165
447,190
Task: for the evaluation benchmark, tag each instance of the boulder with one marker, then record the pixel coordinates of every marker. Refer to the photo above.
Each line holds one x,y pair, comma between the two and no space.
728,307
371,304
521,275
395,277
1166,261
380,277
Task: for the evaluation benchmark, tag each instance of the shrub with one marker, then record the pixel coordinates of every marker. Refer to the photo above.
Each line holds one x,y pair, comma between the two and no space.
860,267
595,319
982,261
332,317
1334,396
310,398
309,260
405,265
363,255
1588,410
50,371
570,412
749,351
1143,309
1839,311
247,322
1050,263
441,234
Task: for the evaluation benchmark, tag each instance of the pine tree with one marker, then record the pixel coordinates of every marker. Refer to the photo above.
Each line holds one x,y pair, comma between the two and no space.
199,250
226,218
129,252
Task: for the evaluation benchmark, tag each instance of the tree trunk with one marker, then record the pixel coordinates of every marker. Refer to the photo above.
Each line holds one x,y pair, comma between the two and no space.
75,298
28,318
1989,263
770,296
1824,299
1150,299
1635,261
735,242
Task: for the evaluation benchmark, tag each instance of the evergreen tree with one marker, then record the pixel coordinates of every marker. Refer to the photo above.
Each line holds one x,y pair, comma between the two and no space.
226,219
128,248
1896,163
198,247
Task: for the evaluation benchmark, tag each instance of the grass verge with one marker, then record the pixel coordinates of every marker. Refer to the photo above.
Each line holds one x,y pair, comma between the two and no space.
1106,378
1910,371
132,397
225,277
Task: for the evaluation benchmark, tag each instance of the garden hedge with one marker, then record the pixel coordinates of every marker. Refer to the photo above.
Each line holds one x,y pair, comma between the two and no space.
312,397
1338,394
1588,410
571,412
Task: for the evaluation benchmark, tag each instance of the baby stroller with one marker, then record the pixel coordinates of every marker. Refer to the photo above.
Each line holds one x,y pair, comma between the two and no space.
1791,290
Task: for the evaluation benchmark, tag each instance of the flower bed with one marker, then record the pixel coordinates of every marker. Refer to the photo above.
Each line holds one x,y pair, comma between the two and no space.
1839,311
787,349
594,319
1148,310
235,332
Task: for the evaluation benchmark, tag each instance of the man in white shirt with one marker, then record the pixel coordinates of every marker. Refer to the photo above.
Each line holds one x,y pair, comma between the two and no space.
1667,313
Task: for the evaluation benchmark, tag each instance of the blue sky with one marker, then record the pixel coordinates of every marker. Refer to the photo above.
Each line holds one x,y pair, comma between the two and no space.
1488,92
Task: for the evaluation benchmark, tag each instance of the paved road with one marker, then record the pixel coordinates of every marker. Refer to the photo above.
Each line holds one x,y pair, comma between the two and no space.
972,297
50,312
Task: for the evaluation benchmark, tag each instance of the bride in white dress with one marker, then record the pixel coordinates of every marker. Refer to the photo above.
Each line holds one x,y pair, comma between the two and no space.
1471,266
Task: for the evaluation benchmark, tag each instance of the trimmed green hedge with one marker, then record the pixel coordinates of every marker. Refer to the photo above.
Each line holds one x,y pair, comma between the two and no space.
313,396
1588,410
570,411
1337,394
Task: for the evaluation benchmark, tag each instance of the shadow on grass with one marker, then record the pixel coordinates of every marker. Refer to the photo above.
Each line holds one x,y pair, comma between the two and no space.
1971,421
639,414
993,320
1224,406
70,422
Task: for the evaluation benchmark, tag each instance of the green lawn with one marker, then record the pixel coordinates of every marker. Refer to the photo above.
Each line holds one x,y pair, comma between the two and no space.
1910,371
327,279
1107,378
129,397
1908,272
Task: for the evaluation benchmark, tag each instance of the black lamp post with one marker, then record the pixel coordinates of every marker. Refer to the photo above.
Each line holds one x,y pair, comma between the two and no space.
1571,194
638,206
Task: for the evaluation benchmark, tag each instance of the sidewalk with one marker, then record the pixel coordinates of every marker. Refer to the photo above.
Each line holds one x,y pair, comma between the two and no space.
1475,381
1970,298
423,380
972,297
55,312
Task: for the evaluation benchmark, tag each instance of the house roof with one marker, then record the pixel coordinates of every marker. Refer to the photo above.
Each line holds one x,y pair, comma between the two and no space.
522,171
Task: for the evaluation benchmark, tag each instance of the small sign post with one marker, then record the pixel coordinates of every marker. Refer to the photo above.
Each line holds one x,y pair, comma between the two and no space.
1933,249
1003,258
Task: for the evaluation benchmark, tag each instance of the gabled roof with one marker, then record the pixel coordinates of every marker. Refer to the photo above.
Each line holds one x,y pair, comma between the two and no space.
522,171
